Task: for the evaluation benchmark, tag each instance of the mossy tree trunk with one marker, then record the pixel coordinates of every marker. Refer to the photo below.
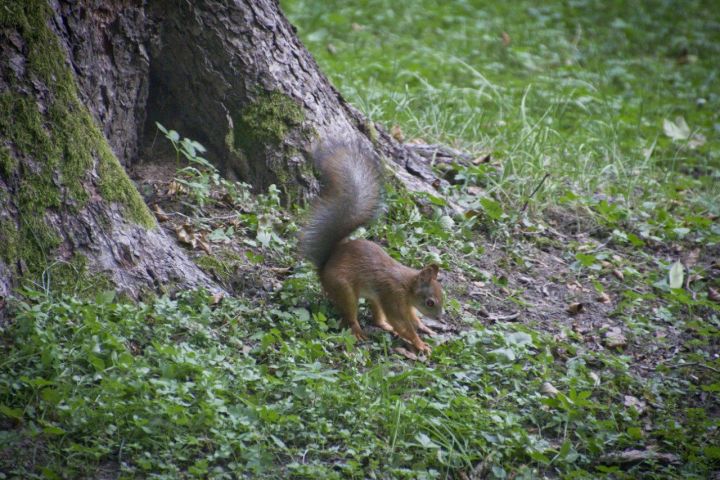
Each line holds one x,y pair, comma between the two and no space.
235,76
70,218
82,84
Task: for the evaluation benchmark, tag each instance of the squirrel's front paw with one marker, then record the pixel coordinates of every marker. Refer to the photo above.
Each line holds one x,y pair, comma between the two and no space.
423,348
359,334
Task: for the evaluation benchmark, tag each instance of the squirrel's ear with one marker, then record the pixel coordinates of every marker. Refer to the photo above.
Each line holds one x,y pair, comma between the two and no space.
430,272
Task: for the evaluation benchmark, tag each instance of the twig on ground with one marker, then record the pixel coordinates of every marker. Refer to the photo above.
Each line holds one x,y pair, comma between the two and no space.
503,318
679,365
527,201
693,364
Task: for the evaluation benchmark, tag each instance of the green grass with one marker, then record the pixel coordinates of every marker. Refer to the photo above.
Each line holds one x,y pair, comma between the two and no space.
269,386
581,90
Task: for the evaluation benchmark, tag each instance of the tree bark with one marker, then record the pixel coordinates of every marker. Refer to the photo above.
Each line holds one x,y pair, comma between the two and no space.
78,77
235,76
70,218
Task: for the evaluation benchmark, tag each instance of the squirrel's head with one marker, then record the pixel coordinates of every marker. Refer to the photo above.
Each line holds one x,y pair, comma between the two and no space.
427,292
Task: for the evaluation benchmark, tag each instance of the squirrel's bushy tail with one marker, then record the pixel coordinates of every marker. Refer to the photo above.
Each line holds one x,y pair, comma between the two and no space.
349,198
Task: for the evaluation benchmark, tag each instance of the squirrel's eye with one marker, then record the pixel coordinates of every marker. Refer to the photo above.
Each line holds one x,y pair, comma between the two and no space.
430,302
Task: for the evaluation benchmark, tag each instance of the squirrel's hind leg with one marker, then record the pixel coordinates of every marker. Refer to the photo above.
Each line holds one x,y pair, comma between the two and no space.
346,301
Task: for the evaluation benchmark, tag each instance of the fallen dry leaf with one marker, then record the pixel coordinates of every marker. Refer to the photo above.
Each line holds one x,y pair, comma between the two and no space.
636,403
160,214
713,295
280,270
578,327
692,257
484,158
185,235
619,274
614,338
217,298
506,39
203,242
397,133
574,308
474,190
603,298
205,246
176,187
548,389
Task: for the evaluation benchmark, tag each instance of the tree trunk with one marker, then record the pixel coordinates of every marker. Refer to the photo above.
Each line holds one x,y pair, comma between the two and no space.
70,218
81,86
234,76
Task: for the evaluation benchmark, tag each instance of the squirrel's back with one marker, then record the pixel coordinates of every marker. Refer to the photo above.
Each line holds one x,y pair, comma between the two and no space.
349,198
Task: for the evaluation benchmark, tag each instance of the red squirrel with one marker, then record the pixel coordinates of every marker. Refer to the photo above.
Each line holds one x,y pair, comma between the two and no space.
354,269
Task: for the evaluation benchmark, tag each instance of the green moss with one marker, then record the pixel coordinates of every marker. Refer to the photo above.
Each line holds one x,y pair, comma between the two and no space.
212,264
548,242
74,277
8,163
266,122
223,264
115,186
37,190
9,241
262,127
238,157
59,146
371,131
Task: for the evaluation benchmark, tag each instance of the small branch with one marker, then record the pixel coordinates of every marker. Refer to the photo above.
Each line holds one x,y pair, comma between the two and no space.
679,365
503,318
219,217
533,193
693,364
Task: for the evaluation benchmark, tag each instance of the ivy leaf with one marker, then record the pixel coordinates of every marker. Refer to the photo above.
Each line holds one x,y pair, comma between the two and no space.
503,354
675,277
518,338
425,441
302,314
15,413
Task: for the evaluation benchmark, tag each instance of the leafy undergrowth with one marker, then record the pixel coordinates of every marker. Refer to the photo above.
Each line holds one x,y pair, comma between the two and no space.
265,384
582,333
179,388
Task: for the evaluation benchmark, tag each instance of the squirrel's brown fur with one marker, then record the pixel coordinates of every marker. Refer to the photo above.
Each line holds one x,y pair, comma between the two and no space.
354,269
